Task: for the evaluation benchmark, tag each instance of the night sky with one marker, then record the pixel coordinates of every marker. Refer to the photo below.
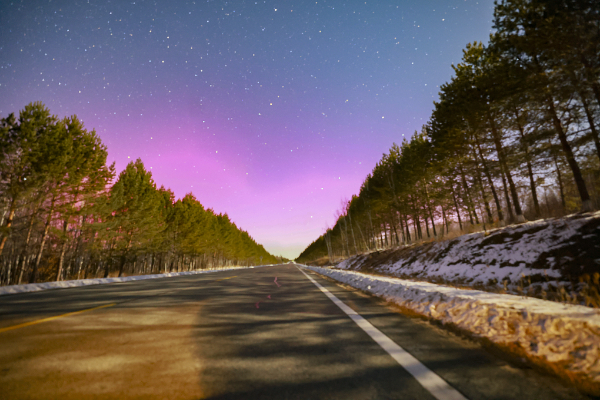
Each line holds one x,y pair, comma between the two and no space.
271,111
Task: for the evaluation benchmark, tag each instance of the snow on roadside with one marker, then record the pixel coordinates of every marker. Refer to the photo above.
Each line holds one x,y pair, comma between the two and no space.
35,287
550,253
563,334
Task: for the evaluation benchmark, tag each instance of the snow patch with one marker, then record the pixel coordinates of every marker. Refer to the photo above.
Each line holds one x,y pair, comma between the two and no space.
544,251
36,287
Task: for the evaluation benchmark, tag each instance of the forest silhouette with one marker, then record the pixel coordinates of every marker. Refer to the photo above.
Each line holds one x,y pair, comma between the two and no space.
64,216
513,137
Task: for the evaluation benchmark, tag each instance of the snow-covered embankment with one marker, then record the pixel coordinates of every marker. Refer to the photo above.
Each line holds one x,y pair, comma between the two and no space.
545,259
563,337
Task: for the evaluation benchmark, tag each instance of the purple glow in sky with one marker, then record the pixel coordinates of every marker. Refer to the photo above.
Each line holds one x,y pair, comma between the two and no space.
270,111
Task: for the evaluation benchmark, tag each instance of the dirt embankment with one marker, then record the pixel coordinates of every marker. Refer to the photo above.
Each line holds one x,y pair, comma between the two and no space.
550,259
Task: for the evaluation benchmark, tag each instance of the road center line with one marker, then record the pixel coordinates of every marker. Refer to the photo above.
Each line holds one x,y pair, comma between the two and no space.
39,321
435,385
222,279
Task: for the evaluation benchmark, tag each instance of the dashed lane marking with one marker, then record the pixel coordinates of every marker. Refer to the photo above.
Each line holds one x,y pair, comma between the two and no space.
39,321
435,385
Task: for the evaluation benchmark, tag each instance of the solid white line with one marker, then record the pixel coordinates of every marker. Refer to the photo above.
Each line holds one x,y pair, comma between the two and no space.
427,378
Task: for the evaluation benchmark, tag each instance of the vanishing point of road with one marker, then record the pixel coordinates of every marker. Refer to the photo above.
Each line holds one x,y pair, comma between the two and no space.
262,333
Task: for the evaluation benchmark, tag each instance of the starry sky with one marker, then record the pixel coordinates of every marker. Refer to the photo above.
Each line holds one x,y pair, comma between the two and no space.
270,111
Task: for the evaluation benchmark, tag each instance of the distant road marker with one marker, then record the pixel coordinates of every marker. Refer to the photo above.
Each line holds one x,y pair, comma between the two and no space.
39,321
435,385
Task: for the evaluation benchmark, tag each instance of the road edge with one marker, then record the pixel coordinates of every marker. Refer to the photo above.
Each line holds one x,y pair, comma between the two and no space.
518,331
36,287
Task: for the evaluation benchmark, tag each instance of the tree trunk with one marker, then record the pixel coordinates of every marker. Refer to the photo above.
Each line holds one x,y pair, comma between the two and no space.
26,245
344,250
586,202
482,189
122,265
511,215
400,220
429,209
470,203
590,118
465,201
393,225
352,231
79,269
62,252
370,222
456,205
4,211
362,236
503,163
345,235
445,221
415,232
24,265
36,266
488,176
385,236
407,228
486,204
9,269
591,77
560,185
124,256
110,258
9,222
417,221
536,204
328,245
61,261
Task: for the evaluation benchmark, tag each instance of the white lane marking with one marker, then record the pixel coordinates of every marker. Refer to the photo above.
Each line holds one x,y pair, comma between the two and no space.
435,385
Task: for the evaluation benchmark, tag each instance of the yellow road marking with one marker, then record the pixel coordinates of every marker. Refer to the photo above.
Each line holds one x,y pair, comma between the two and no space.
218,280
39,321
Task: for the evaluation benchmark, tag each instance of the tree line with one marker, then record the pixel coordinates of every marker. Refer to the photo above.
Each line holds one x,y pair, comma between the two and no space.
66,215
513,137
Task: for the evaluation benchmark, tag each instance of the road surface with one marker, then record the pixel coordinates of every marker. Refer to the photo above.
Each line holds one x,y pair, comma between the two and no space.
263,333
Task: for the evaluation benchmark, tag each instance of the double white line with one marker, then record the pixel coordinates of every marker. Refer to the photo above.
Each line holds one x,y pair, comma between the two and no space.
427,378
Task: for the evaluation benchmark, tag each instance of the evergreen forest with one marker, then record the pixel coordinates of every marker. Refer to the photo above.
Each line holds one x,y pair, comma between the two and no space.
66,215
514,137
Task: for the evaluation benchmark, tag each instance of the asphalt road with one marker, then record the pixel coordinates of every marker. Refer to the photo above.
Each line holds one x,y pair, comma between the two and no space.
236,335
